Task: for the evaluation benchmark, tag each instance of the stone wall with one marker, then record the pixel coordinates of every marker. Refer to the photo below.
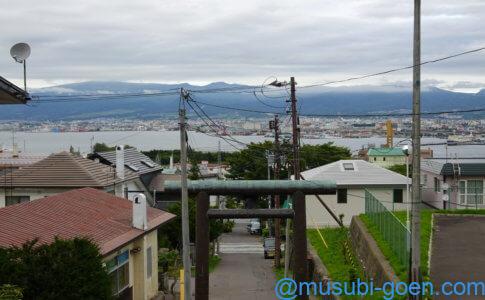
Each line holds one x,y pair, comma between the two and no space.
375,263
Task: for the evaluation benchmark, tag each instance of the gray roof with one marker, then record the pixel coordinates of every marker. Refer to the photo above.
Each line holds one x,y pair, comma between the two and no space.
364,174
135,161
11,94
467,166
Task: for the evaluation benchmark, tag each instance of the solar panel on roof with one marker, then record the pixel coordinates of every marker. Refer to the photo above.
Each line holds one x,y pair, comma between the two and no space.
133,168
148,163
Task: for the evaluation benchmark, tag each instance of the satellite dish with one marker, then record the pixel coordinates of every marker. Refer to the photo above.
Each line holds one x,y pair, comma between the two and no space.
20,52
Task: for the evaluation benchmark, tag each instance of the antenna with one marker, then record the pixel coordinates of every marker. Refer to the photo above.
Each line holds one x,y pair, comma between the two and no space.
20,52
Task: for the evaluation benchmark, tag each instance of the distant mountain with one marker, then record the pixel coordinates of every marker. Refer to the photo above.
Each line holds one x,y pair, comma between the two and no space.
62,102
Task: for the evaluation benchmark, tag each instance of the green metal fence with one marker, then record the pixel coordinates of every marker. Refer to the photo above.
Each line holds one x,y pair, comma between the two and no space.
391,228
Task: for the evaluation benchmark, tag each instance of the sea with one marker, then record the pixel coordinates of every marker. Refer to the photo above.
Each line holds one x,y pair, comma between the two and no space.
51,142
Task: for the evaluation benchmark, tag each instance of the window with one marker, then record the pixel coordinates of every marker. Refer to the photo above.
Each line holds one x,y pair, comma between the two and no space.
375,158
348,166
341,195
397,196
11,200
437,184
471,192
149,262
384,159
119,272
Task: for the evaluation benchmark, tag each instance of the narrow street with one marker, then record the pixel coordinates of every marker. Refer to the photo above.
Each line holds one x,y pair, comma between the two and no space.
243,273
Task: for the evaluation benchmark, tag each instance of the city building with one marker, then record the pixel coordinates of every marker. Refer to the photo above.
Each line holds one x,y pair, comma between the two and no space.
129,246
386,157
353,177
453,183
61,172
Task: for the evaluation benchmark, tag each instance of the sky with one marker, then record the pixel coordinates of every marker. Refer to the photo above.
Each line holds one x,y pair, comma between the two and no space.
240,41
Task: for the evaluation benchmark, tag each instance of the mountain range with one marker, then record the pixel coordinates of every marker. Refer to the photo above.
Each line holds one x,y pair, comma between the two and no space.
150,100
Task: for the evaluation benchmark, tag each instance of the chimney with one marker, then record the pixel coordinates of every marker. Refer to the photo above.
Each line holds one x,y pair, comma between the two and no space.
171,161
120,162
140,220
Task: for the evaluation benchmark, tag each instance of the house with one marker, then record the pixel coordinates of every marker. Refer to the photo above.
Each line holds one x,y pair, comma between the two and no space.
453,183
58,173
12,94
134,162
12,160
125,231
353,177
386,157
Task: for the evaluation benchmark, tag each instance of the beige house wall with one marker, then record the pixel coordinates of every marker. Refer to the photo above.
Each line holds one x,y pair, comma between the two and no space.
317,215
387,161
144,287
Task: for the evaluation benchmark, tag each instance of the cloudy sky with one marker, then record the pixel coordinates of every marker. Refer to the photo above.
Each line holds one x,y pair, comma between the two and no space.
240,41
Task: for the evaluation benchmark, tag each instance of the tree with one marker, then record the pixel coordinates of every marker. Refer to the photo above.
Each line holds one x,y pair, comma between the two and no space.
64,269
251,163
102,147
401,169
170,235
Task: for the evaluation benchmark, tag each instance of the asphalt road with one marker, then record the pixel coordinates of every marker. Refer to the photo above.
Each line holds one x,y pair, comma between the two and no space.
243,273
458,251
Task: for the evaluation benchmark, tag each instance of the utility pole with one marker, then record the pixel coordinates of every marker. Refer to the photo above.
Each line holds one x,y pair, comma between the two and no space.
185,201
299,207
295,131
219,173
275,125
416,144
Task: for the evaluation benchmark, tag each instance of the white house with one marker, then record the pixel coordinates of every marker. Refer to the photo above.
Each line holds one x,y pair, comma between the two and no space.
353,177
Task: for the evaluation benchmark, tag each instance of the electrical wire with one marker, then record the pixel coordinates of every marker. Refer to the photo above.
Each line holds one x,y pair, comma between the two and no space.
394,70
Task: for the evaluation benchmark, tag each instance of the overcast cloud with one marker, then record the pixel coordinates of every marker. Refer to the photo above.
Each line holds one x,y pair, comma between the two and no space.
239,41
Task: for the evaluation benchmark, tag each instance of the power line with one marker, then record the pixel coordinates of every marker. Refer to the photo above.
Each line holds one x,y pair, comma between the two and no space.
343,115
396,69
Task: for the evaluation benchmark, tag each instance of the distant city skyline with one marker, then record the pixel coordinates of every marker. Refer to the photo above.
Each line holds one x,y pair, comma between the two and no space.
240,42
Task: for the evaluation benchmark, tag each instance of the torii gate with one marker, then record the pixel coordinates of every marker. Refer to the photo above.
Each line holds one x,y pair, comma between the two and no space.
203,189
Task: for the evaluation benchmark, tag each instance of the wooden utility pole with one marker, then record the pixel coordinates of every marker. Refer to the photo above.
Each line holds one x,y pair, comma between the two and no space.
295,131
185,200
277,233
416,143
299,225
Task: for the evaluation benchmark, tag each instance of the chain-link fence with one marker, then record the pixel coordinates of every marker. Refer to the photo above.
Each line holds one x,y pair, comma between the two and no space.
391,228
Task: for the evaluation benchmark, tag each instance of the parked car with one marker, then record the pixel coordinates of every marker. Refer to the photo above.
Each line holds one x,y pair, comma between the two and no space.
254,227
269,247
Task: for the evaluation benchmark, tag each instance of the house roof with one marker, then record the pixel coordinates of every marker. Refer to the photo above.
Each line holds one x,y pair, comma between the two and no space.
364,174
466,166
8,159
133,158
87,212
385,152
63,170
11,94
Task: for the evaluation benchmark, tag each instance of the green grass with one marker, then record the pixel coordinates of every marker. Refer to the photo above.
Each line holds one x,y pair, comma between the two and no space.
213,262
335,260
426,216
333,257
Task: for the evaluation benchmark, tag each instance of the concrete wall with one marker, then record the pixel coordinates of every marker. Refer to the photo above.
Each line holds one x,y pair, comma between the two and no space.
375,263
317,215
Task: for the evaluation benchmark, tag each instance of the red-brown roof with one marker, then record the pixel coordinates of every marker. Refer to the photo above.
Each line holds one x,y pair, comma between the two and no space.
63,169
87,212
